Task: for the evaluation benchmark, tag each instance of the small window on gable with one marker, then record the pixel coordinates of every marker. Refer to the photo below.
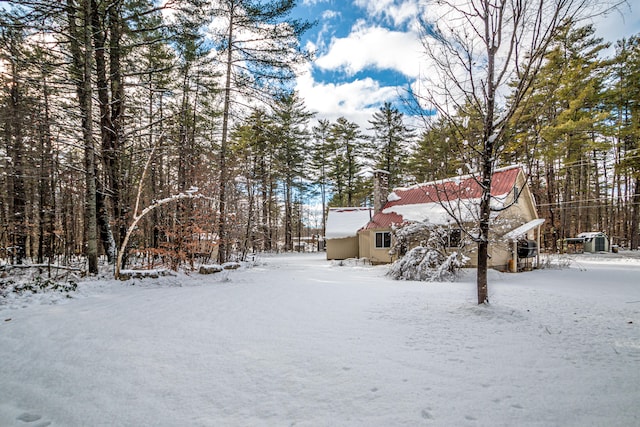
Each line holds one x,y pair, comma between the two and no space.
383,239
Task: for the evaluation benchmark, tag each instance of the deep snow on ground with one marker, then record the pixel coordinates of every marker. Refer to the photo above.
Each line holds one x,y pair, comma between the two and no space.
297,340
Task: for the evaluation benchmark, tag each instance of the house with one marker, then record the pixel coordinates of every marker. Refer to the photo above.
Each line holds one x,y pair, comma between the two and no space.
341,234
515,234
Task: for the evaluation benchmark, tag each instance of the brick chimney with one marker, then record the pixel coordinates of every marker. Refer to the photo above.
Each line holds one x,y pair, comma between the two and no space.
380,189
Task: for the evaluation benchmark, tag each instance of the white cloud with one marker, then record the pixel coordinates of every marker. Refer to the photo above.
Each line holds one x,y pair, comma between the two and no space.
397,12
313,2
455,25
370,45
375,47
330,14
356,100
325,29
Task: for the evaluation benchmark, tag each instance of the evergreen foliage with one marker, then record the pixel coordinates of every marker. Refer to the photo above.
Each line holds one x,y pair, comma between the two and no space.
348,151
391,138
92,90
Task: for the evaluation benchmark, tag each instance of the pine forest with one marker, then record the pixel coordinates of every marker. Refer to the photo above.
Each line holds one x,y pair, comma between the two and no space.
174,132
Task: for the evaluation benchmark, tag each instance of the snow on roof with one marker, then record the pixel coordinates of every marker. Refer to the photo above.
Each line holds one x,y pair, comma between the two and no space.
519,231
435,201
392,197
591,234
508,172
441,213
345,222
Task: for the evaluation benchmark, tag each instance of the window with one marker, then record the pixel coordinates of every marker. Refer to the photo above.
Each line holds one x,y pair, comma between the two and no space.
383,239
454,239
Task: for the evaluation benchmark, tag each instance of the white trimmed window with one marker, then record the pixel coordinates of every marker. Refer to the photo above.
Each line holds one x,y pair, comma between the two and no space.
383,239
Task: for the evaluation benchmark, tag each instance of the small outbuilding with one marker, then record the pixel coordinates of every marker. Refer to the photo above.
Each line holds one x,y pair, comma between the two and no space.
571,245
595,241
341,235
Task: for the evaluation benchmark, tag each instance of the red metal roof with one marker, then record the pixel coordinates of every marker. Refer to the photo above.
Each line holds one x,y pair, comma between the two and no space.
382,220
466,187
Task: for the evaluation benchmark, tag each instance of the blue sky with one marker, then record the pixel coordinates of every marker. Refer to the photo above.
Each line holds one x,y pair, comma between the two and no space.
368,52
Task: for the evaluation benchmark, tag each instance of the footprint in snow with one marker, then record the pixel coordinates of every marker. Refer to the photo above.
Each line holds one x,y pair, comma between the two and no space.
32,418
28,418
426,414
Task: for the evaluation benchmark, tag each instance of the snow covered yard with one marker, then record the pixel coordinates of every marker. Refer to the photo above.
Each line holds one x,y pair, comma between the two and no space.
297,340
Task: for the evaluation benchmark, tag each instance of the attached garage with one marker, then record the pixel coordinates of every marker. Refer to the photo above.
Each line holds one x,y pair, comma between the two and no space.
341,235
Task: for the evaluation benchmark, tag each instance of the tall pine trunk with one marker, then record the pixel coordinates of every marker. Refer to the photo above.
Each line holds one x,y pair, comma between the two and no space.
223,249
635,216
107,135
288,217
15,140
46,181
80,43
116,82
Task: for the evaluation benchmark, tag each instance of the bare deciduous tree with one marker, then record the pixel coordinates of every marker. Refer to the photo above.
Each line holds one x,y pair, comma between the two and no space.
485,55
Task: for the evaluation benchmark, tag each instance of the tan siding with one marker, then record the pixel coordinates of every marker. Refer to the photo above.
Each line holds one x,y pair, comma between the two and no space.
342,248
500,256
369,250
365,243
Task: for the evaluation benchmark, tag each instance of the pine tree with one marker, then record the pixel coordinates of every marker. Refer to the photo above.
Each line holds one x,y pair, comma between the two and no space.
291,138
433,157
46,157
80,45
558,126
625,102
349,149
321,161
14,121
577,96
259,47
253,152
391,139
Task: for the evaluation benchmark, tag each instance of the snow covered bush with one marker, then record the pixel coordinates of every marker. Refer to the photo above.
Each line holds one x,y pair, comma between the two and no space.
432,260
554,261
429,265
37,285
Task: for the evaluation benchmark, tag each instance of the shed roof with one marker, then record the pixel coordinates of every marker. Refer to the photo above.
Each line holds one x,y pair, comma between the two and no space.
591,234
